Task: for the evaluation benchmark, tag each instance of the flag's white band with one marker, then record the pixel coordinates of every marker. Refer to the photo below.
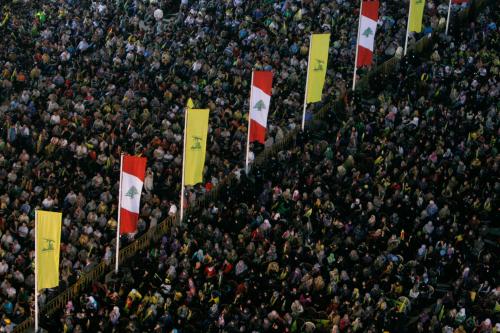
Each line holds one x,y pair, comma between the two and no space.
260,100
131,192
368,28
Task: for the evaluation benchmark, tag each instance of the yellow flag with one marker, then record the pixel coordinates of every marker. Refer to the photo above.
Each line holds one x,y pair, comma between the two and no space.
316,68
48,238
196,143
416,15
190,103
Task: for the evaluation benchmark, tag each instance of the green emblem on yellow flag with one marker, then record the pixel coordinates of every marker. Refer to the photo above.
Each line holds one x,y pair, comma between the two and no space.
49,245
319,65
196,143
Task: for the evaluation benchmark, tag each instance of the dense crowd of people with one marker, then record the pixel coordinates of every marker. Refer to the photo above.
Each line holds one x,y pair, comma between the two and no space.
354,236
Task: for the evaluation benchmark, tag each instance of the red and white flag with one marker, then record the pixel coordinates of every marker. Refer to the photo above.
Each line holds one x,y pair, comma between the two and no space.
262,85
133,171
367,30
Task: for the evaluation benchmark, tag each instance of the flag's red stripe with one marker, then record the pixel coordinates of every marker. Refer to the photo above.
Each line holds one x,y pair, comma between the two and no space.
135,165
257,132
370,9
264,81
365,57
128,221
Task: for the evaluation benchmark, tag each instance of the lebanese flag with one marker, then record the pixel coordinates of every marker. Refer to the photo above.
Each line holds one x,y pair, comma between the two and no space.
133,171
367,30
259,104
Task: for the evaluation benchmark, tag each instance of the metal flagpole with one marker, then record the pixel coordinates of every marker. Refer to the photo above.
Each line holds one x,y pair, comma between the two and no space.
448,19
119,215
248,130
357,48
183,166
307,82
36,272
407,29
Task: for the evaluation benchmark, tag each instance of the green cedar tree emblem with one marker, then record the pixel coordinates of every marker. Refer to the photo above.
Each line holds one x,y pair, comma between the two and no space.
367,32
132,192
259,105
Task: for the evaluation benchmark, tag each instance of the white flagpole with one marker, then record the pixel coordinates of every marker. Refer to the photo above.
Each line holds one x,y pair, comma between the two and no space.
448,19
307,82
357,48
183,166
119,217
407,29
36,272
248,131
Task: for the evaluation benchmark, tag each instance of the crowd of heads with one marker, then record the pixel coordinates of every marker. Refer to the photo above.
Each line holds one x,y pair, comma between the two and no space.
358,229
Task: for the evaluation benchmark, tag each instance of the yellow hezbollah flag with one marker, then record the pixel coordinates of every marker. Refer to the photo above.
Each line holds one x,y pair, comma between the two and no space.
316,70
48,242
196,143
416,15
